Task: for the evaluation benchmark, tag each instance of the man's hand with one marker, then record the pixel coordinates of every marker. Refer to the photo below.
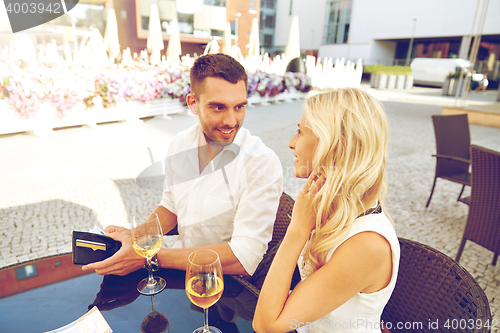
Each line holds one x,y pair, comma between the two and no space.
125,261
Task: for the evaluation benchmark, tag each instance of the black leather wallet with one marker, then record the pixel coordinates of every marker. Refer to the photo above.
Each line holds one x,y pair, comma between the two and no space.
89,247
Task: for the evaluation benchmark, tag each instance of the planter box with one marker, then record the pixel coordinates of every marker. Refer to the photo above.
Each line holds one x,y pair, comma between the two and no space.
409,82
373,80
46,118
381,81
446,87
400,81
287,96
391,82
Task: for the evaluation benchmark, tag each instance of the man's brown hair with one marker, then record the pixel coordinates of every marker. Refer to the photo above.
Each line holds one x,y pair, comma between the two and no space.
216,65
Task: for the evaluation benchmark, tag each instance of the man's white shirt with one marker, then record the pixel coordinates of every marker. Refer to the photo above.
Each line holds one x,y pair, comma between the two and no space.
234,200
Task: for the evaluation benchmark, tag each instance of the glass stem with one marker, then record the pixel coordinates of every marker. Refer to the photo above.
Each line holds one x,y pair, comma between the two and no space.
205,326
151,280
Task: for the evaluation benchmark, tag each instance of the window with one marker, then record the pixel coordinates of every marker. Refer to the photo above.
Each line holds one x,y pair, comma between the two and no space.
270,21
217,3
253,4
268,40
266,21
268,3
338,18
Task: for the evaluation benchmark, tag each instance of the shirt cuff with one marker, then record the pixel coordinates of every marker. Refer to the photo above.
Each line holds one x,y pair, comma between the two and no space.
245,250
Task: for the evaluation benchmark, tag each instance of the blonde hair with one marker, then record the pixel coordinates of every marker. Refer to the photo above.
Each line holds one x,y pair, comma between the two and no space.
352,132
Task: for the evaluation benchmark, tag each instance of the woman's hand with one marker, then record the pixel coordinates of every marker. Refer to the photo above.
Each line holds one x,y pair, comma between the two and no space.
303,216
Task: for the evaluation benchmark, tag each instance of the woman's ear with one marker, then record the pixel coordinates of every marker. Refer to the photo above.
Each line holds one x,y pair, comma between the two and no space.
191,102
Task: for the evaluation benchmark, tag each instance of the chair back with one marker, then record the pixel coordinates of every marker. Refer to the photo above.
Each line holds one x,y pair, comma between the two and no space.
433,290
483,221
283,218
452,139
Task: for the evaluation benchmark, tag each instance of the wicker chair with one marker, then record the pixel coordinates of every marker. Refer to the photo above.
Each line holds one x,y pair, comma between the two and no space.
433,287
452,147
483,221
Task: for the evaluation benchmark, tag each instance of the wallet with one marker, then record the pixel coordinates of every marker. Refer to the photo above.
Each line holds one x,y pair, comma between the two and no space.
89,247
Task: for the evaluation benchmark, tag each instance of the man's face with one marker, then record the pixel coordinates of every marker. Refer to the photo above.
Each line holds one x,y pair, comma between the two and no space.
220,107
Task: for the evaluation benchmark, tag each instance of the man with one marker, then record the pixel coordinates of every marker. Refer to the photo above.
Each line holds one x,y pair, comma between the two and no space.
222,184
483,84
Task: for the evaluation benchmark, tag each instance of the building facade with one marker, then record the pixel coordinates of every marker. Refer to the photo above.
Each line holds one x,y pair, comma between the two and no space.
380,31
198,20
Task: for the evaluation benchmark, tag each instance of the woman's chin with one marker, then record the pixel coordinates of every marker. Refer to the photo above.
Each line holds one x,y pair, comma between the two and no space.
301,174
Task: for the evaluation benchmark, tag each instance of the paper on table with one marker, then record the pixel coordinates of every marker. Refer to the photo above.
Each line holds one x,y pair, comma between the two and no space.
91,322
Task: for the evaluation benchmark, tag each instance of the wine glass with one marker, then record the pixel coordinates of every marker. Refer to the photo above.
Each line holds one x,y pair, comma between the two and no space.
204,283
147,239
155,322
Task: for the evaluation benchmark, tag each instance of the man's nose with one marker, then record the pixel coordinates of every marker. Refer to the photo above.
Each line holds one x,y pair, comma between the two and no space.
230,118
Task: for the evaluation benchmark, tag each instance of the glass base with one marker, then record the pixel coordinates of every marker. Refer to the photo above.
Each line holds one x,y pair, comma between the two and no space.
211,329
144,289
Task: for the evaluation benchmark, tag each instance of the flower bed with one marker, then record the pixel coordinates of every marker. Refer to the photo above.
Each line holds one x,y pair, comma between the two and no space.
74,95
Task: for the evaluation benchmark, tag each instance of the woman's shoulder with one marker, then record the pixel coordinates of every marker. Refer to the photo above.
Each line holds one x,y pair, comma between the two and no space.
375,228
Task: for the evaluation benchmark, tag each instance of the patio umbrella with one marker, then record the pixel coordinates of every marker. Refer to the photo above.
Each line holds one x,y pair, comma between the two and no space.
111,42
226,41
155,37
292,49
174,43
99,57
236,54
254,45
212,47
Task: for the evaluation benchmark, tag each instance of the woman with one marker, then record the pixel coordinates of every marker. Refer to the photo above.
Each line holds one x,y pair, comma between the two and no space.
345,245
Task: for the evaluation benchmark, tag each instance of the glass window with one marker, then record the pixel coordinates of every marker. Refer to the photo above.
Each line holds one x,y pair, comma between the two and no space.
266,21
268,3
269,21
217,3
253,4
338,18
268,40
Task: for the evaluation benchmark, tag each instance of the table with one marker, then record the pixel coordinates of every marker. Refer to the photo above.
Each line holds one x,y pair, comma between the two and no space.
56,305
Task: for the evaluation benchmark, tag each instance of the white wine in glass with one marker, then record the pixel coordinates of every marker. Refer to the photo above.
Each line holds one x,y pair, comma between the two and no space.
204,283
147,239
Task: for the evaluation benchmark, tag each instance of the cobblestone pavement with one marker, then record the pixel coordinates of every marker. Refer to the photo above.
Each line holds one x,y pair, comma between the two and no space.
82,176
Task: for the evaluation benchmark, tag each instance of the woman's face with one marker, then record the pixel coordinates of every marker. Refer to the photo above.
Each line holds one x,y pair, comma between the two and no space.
303,144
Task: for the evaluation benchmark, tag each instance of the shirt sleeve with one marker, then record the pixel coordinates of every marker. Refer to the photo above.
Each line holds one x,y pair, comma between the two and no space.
167,199
256,213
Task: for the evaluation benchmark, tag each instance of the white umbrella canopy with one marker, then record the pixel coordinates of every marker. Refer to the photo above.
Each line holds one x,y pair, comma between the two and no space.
155,37
254,45
236,54
226,41
174,43
111,42
292,49
212,47
99,56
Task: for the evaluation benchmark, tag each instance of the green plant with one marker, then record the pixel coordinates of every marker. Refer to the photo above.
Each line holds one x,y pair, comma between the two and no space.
388,70
454,75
